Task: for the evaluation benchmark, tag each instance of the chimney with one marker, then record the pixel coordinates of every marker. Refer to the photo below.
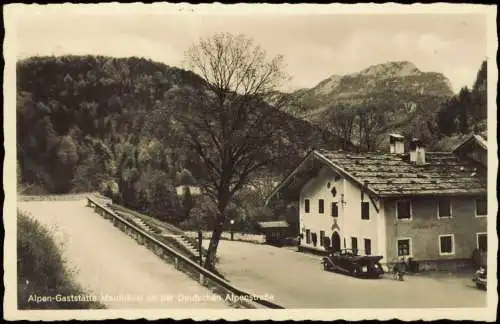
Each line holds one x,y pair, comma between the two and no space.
396,144
417,152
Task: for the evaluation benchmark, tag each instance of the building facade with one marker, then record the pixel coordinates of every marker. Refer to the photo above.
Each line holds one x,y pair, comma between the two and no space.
430,206
333,207
445,229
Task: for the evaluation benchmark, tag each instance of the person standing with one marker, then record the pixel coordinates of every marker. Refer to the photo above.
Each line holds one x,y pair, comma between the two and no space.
402,269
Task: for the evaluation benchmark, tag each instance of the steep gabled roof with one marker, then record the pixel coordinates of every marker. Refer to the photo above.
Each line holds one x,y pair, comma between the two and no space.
475,148
472,140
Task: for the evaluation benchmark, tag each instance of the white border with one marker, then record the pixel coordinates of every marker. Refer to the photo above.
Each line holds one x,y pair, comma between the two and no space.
12,11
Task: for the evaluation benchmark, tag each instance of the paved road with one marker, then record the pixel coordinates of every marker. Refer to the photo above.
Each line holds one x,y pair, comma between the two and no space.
297,280
108,262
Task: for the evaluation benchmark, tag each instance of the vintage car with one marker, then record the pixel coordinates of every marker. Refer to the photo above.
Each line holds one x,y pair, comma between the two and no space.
348,262
479,278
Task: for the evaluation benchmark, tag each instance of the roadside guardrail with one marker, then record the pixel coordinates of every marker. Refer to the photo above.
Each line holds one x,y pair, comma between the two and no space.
52,197
219,286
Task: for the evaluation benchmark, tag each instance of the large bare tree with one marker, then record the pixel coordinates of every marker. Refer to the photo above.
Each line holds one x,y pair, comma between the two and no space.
232,121
342,122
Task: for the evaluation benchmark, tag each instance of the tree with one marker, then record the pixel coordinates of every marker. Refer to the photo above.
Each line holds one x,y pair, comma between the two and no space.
447,117
464,99
187,202
479,94
342,124
65,166
227,121
370,120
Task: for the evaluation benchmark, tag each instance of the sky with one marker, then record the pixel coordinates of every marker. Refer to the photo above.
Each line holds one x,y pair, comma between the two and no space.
315,46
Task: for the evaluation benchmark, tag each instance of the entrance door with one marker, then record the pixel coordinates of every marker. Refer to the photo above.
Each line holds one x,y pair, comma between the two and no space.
335,241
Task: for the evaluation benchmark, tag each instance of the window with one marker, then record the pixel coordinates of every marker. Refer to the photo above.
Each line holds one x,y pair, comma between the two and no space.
404,247
368,247
354,245
314,238
446,244
321,238
482,242
321,206
444,208
365,210
308,236
335,210
306,205
481,207
403,210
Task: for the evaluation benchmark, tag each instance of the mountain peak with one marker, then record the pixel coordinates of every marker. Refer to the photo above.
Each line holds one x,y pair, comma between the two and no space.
328,84
391,69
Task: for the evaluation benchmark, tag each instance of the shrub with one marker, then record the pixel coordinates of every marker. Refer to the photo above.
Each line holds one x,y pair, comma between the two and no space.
33,189
42,270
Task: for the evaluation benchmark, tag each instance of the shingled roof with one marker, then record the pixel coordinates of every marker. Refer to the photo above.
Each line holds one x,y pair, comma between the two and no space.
391,175
273,224
388,175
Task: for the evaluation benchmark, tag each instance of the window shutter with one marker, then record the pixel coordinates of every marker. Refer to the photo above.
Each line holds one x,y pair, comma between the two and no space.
368,246
365,210
335,210
354,245
321,206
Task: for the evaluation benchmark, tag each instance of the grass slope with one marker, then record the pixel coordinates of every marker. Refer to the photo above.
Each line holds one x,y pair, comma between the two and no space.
44,281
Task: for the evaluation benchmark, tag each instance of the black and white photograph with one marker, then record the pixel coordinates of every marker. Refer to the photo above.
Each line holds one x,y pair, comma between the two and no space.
306,162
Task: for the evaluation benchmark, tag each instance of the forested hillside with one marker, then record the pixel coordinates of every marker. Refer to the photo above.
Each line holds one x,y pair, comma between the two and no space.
89,123
85,123
464,113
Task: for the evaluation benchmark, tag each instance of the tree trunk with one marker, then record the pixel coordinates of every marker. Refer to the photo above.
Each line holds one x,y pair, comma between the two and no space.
212,248
216,235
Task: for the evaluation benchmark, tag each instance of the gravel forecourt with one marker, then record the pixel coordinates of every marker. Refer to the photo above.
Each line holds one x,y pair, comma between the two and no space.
297,280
